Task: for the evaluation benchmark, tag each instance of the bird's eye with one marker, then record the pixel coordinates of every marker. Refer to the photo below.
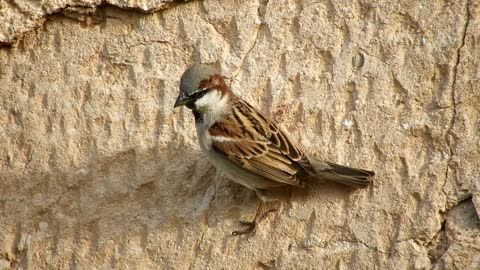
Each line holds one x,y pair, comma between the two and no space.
198,94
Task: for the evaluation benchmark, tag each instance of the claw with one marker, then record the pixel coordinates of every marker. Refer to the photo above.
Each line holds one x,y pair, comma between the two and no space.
252,225
251,228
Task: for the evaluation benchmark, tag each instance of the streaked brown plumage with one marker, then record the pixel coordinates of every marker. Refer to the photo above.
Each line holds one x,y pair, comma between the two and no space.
248,145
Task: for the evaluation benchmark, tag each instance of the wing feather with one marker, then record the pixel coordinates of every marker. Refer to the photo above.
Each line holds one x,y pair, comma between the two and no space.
254,142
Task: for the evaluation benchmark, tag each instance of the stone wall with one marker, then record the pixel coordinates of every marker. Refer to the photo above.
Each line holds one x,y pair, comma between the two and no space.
99,171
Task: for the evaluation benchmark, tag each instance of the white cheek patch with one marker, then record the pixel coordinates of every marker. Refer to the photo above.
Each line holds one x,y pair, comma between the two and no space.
212,103
208,100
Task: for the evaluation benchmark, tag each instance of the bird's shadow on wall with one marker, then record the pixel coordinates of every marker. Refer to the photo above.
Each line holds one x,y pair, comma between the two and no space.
138,194
119,197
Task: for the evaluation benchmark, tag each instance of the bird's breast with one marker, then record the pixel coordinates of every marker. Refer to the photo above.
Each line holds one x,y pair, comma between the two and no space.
204,138
235,172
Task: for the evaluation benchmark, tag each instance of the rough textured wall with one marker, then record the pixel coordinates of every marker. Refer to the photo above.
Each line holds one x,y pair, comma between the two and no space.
97,169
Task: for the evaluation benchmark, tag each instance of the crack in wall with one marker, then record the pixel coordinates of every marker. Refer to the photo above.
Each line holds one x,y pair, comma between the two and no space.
146,42
440,243
204,11
429,244
353,242
206,221
449,133
197,248
262,5
12,39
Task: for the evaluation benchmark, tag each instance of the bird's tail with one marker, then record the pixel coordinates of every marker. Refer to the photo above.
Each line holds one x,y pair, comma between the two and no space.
353,177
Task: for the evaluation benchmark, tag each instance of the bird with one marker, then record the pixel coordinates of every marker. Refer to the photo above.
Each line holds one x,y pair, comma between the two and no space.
249,146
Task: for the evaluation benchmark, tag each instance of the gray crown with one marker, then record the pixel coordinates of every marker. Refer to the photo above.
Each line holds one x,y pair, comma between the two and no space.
192,77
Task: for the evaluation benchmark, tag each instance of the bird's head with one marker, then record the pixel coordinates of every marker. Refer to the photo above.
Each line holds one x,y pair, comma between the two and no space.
202,88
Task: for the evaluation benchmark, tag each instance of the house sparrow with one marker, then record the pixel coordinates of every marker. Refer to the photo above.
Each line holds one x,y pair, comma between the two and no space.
249,146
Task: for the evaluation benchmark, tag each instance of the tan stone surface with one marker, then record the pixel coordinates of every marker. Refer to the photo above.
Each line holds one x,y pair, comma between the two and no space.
21,16
98,171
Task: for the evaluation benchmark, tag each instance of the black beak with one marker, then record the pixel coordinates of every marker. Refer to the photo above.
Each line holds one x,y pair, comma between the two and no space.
182,99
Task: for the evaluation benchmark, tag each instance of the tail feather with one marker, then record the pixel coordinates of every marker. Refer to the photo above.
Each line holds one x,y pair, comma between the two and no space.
353,177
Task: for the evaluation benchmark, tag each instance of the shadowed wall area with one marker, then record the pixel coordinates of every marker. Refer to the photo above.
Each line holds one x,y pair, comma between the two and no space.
97,170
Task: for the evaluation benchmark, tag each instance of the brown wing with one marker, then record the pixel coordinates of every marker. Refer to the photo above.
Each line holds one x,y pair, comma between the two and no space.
253,141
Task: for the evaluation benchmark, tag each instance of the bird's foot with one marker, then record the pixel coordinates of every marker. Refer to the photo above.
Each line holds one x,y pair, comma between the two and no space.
252,225
251,228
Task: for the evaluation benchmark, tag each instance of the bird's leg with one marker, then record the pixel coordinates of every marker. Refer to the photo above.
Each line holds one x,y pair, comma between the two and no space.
251,225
